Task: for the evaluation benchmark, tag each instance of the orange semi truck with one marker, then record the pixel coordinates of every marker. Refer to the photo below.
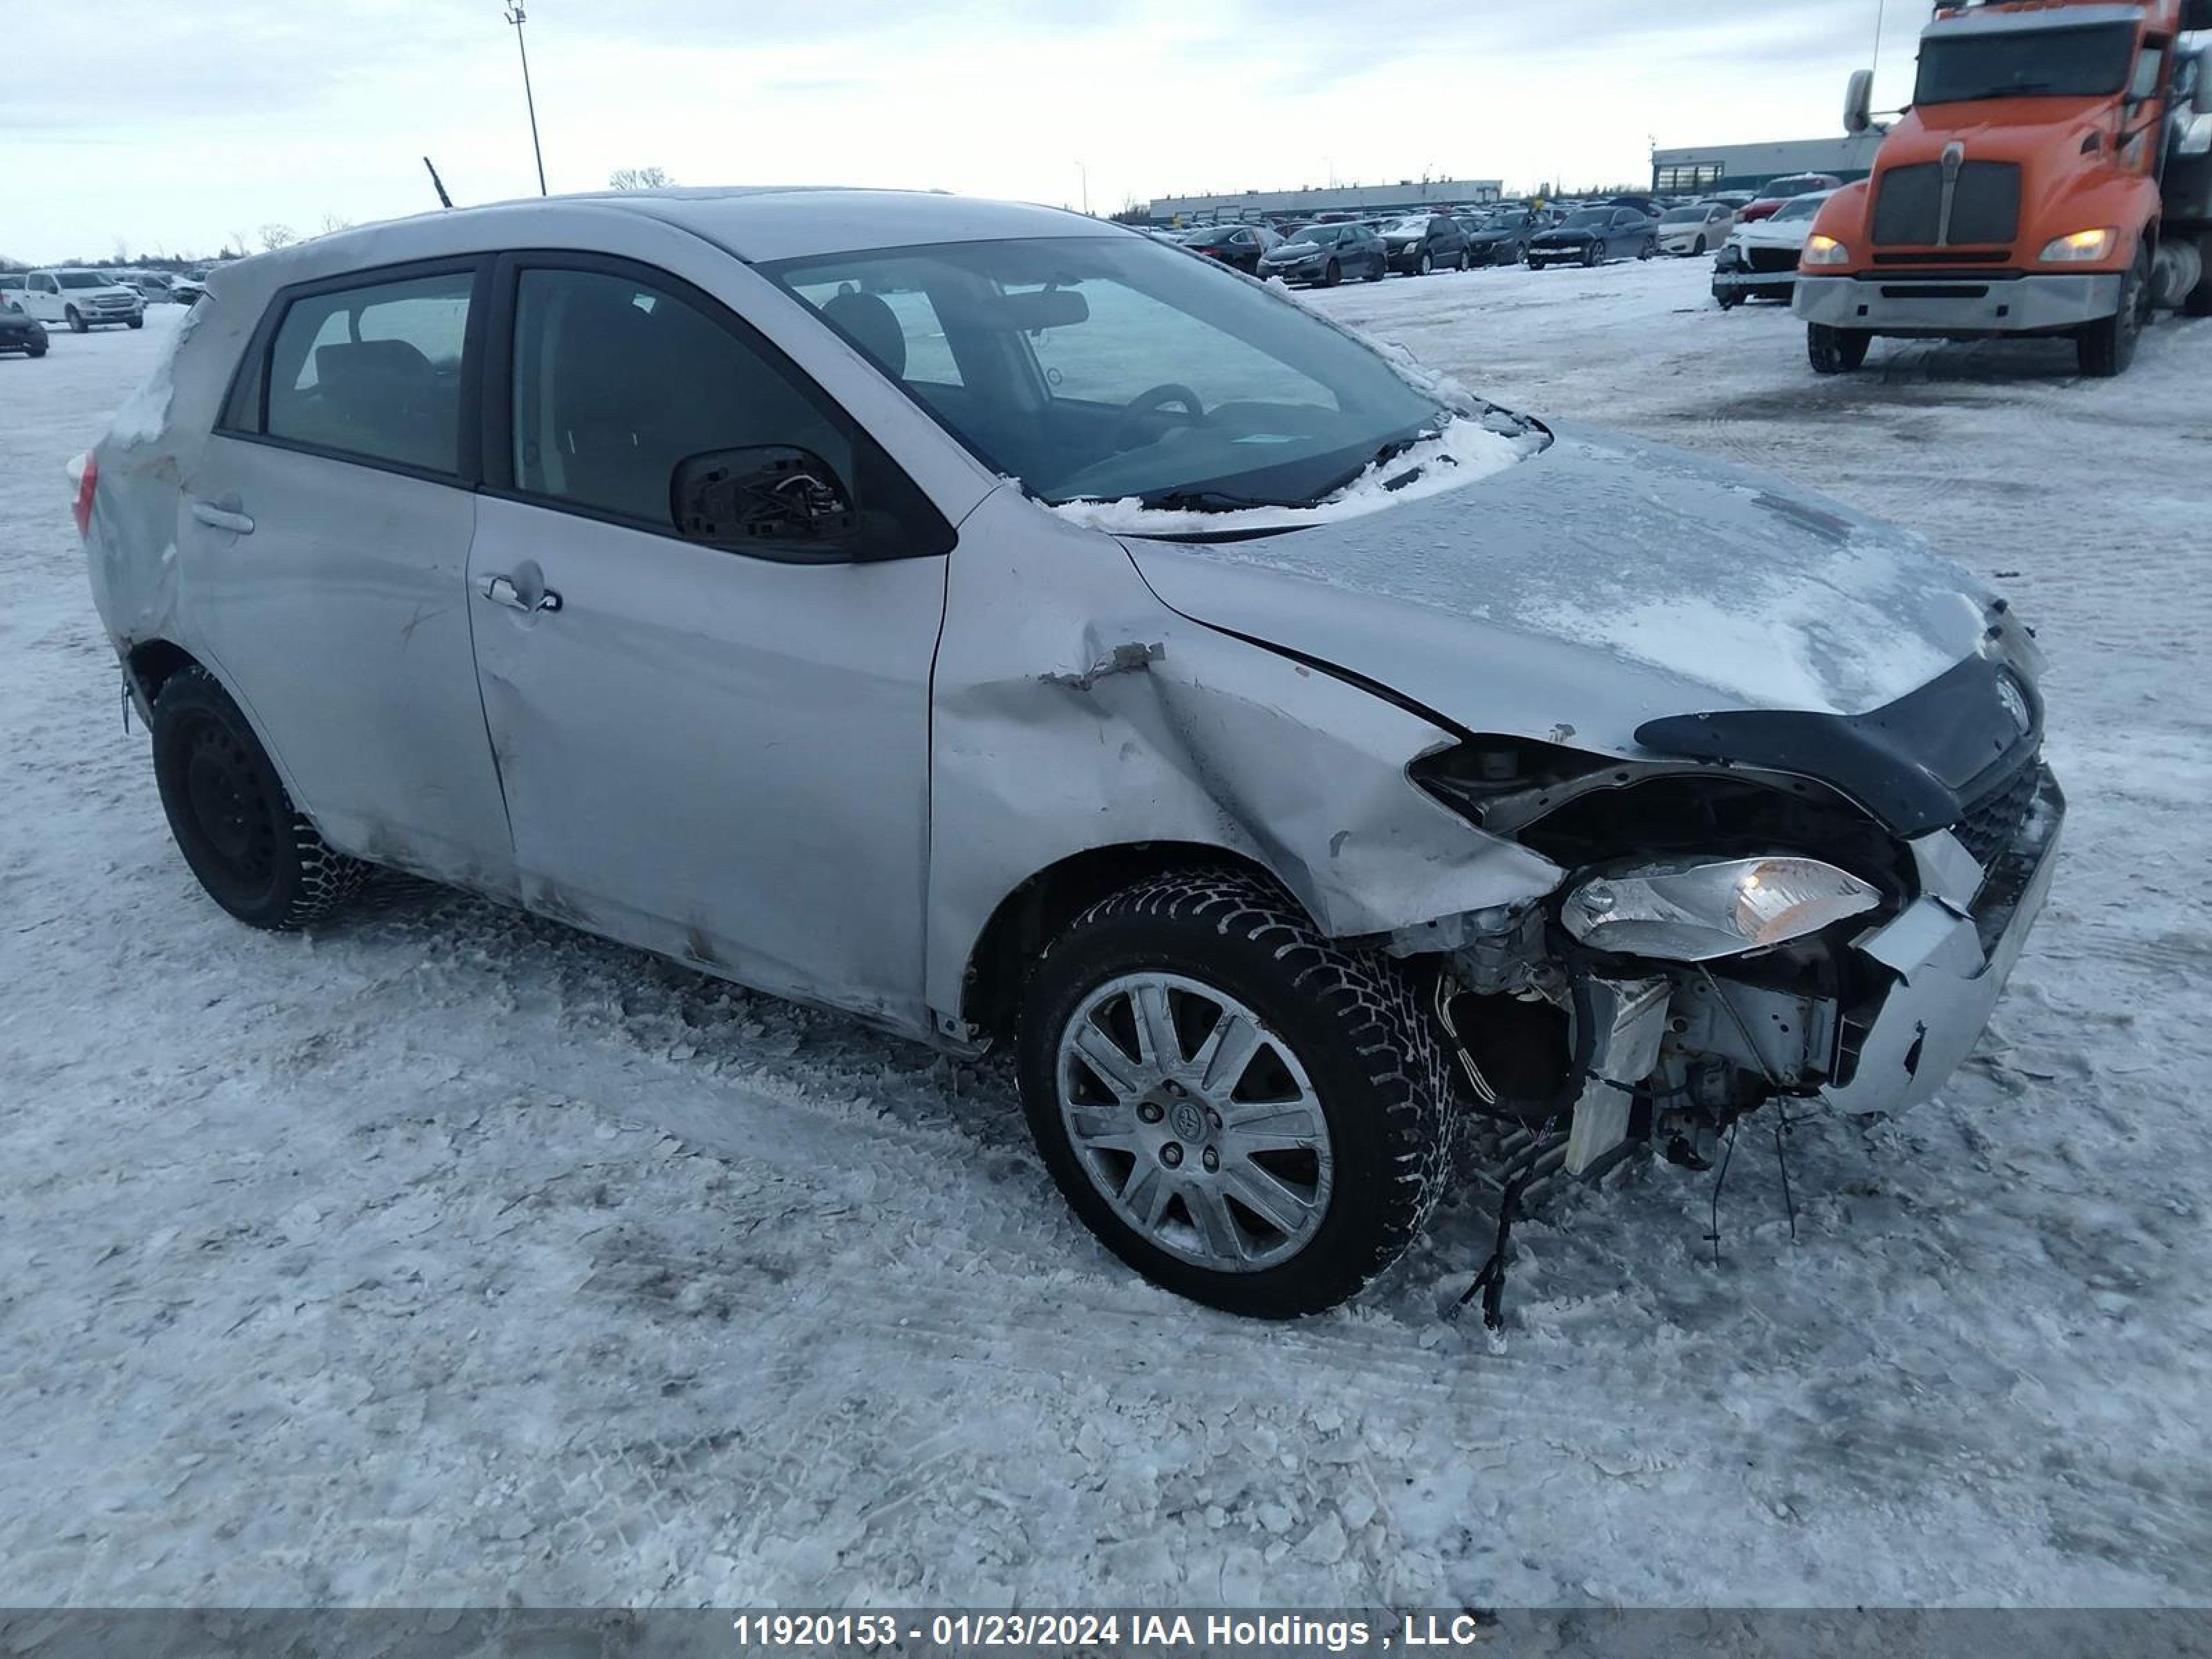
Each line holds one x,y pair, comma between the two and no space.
2052,177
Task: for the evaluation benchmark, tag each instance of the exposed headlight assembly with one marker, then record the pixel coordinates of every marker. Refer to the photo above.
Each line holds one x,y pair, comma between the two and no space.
1827,251
1702,912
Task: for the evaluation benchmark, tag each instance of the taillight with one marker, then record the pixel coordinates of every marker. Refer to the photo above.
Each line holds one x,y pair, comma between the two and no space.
88,481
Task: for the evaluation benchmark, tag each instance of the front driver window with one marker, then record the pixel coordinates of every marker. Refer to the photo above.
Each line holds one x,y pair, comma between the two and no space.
617,380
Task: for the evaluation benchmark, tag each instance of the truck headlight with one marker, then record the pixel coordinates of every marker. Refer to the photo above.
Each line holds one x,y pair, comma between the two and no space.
1701,911
1827,251
2083,247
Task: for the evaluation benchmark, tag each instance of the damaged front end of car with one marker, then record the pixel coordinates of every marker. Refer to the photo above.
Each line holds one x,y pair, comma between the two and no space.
1769,906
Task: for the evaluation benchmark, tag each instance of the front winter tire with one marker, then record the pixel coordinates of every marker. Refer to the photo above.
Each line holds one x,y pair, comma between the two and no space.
258,856
1247,1113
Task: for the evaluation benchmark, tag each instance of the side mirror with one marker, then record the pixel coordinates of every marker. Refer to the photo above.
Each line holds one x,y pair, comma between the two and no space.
761,495
1858,103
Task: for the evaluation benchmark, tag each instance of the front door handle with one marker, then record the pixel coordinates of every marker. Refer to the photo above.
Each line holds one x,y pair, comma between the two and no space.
222,517
501,590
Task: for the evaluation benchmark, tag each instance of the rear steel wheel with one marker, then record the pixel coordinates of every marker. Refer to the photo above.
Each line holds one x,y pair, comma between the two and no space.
257,856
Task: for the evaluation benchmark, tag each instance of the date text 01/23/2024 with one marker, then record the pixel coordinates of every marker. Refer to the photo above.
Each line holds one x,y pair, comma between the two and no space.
1057,1631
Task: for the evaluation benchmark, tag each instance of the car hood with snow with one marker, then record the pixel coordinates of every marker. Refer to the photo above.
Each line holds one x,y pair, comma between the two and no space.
1598,585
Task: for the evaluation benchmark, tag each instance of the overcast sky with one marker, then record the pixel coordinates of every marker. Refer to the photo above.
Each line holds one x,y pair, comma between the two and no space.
178,126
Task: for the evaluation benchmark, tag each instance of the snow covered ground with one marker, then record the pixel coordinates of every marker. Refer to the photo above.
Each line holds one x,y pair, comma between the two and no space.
450,1256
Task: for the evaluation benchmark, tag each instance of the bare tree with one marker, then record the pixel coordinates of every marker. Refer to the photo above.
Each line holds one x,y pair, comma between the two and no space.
122,251
332,224
640,178
275,236
234,246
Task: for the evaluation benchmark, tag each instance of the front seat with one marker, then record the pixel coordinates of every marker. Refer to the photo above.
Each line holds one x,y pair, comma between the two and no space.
872,325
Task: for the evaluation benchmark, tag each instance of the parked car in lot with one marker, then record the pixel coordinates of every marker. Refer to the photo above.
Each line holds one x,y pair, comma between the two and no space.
1419,243
1759,261
1694,230
19,330
80,300
1777,195
1239,246
187,288
1329,254
1591,236
918,606
1501,237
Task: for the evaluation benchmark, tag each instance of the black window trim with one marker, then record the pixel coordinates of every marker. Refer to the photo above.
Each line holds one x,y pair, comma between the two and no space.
468,466
495,421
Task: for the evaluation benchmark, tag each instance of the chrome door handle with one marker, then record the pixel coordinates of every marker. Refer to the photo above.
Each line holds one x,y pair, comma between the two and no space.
501,590
222,517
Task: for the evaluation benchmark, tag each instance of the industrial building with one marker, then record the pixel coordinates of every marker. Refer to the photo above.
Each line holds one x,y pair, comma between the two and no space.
1406,196
1753,167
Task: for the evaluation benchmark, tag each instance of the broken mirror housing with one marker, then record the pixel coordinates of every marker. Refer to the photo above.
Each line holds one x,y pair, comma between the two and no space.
1704,912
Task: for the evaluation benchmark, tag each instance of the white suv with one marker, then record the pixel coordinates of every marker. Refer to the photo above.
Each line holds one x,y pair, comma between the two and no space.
81,299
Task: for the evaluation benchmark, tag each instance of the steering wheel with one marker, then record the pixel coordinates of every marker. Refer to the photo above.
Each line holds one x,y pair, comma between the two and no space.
1151,403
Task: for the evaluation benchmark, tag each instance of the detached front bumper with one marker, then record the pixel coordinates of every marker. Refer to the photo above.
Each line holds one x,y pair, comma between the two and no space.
1948,962
1938,305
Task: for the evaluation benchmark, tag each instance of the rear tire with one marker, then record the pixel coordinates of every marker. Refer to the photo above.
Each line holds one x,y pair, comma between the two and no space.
1337,1054
257,854
2106,348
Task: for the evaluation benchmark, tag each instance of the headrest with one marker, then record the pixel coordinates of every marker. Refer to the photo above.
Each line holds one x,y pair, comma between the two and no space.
871,325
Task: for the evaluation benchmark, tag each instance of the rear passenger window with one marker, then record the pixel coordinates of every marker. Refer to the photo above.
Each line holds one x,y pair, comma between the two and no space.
374,371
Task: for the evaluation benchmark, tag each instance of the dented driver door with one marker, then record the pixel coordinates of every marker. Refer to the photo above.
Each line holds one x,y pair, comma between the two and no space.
716,755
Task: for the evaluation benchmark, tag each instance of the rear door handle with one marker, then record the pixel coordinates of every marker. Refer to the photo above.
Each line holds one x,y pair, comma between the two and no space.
501,590
222,517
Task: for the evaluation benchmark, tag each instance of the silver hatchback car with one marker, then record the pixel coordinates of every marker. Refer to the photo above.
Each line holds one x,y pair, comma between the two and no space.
1001,627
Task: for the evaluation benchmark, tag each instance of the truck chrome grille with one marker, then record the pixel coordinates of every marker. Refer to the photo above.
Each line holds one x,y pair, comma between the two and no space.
1908,208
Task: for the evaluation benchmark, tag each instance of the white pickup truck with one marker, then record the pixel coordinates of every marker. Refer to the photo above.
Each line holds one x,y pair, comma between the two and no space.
81,299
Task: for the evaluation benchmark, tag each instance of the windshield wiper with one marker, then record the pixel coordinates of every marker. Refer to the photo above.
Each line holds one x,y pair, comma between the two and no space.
1204,501
1383,456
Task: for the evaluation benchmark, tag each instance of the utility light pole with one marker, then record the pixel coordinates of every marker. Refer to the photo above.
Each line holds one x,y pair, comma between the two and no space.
1086,172
515,15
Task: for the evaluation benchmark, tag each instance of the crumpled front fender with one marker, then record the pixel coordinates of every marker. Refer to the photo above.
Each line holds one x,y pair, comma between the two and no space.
1073,711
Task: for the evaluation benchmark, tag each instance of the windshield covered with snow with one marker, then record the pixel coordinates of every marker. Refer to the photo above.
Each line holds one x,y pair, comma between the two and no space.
2088,62
1111,368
